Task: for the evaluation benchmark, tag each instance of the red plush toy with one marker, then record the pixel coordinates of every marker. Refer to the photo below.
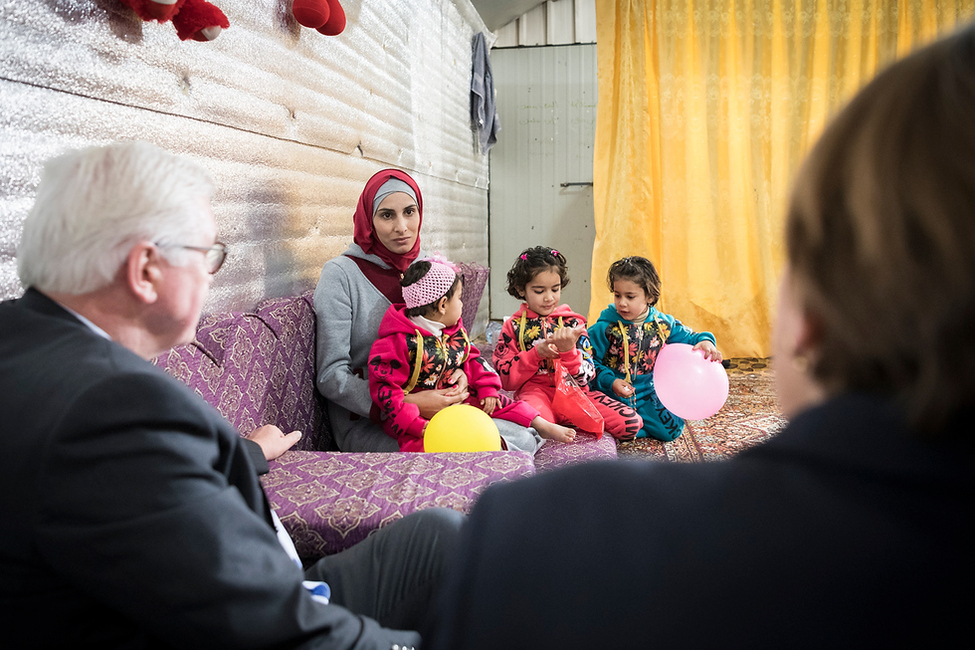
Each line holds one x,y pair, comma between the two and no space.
196,19
327,16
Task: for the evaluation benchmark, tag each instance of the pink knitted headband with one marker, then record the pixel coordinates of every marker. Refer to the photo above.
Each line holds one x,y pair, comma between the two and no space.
431,287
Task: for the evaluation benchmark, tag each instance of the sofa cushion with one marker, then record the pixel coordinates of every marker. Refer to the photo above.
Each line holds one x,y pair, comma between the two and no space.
475,279
292,320
583,449
227,364
258,368
330,501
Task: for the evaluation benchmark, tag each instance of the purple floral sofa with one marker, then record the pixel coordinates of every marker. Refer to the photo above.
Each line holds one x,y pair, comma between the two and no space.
258,368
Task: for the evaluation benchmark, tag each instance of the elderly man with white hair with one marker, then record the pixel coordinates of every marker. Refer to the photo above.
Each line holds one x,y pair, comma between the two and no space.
132,511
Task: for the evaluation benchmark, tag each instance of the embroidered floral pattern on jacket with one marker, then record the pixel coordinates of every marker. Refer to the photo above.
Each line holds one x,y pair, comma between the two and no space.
636,344
515,341
440,357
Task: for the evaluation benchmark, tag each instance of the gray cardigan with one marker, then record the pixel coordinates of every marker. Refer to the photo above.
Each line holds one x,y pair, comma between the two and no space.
349,309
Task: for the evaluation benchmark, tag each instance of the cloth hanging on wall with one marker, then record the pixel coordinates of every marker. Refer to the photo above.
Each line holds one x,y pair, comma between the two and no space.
484,114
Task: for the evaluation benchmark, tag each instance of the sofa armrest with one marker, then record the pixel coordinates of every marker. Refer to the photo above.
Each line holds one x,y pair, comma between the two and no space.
329,501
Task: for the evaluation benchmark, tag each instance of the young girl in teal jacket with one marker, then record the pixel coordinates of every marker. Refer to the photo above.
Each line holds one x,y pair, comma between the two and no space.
627,338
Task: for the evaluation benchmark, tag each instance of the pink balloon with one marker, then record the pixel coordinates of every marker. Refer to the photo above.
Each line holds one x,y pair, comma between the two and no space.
690,386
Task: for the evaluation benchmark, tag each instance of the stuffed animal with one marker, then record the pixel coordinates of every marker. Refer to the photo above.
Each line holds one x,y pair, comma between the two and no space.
196,19
326,16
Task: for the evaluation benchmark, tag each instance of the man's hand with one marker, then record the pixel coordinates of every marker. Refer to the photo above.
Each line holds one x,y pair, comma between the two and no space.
272,440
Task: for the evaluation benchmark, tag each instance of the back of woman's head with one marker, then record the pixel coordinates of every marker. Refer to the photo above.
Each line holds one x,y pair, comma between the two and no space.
531,262
93,204
638,270
881,236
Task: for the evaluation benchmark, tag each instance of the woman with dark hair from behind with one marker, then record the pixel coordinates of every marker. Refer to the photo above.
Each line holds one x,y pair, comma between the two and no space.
853,526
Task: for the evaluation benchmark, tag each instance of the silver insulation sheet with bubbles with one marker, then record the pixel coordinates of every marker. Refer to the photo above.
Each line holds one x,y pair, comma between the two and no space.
289,122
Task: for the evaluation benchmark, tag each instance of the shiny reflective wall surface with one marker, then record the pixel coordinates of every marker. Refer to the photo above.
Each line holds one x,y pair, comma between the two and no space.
290,122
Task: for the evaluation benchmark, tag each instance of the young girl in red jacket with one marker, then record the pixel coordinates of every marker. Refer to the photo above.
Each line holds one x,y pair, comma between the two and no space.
543,330
421,343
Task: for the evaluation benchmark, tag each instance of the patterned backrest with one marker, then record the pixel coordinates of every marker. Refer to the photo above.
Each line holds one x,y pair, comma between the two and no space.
293,383
475,279
257,368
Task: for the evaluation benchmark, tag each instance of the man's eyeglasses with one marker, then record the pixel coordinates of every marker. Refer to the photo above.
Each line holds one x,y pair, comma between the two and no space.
215,255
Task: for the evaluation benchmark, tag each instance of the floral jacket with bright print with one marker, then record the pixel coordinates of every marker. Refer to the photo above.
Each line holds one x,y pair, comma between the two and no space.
394,372
626,350
516,358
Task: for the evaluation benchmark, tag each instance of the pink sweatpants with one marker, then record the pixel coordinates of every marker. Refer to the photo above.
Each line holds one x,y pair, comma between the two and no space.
622,421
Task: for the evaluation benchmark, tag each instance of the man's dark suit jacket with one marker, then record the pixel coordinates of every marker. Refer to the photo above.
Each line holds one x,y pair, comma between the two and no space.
132,514
843,531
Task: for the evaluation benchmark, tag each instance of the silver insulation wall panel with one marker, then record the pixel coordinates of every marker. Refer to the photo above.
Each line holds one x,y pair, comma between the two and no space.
290,122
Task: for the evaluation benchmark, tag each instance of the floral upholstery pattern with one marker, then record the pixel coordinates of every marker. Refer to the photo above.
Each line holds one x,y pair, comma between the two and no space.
258,368
584,448
293,321
330,501
475,279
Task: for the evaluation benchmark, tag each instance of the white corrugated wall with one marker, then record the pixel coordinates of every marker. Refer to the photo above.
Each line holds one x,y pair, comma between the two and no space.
555,22
290,122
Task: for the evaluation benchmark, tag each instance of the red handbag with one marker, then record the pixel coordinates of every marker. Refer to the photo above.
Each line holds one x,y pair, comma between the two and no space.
572,403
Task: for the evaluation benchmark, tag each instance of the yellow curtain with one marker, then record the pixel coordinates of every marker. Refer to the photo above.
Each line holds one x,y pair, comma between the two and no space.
705,111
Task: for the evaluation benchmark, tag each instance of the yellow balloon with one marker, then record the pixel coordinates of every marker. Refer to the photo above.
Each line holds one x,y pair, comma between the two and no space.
461,427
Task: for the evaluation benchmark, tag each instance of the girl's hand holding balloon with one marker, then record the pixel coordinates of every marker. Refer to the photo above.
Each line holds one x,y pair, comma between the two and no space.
710,352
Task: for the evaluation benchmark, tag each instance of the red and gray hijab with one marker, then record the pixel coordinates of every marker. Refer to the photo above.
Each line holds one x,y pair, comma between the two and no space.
377,188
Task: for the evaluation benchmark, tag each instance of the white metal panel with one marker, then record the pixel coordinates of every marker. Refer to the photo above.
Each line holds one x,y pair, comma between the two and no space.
560,22
557,22
290,122
585,21
507,35
547,102
532,27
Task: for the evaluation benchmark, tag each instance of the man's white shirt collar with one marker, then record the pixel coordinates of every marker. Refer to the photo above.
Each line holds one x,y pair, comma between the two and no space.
94,328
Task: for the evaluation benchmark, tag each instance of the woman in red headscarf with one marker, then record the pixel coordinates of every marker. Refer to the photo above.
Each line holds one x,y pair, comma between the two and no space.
353,293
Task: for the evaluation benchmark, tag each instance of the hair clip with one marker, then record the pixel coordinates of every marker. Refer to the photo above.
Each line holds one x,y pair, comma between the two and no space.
524,256
555,253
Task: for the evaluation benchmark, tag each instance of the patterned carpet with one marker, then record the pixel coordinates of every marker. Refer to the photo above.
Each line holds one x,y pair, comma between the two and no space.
750,416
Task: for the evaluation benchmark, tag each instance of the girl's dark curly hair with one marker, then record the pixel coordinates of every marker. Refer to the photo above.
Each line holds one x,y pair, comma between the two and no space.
530,263
414,273
638,270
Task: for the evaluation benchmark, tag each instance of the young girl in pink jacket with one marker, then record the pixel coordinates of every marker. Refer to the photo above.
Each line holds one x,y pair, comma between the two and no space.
543,330
420,345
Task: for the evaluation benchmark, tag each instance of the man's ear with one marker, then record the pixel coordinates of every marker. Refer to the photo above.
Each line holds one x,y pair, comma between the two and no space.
810,334
142,271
